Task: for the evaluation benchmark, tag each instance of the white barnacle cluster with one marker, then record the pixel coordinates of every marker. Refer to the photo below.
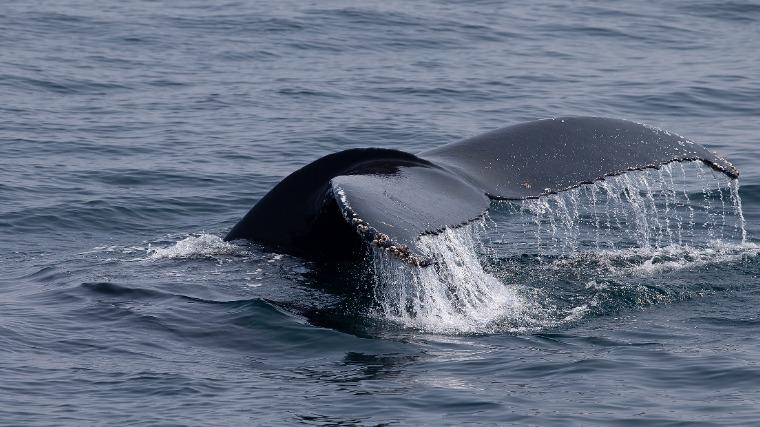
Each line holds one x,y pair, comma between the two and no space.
342,196
731,169
383,241
360,224
375,237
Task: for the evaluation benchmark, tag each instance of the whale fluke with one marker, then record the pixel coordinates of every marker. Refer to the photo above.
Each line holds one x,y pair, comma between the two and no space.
551,155
336,206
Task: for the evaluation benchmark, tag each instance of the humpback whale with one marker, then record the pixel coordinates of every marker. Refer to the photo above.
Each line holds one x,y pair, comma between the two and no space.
336,206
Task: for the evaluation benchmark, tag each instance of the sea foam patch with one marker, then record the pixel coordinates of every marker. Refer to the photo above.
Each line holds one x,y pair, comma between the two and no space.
200,246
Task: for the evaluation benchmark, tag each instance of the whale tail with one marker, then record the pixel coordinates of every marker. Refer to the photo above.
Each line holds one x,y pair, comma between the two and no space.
338,205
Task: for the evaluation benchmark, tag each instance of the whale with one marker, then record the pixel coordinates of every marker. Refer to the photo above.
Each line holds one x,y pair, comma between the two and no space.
343,204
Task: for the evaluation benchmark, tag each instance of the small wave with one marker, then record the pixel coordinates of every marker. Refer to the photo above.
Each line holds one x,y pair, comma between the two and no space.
202,246
677,257
116,290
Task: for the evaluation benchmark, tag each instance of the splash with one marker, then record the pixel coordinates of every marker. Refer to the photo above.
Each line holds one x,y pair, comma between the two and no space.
201,246
634,225
642,262
454,295
680,204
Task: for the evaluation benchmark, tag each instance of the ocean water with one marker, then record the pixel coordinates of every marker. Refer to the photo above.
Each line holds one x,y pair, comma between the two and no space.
133,135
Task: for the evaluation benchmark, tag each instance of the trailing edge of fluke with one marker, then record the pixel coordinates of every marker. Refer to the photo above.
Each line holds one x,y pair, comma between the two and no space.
334,207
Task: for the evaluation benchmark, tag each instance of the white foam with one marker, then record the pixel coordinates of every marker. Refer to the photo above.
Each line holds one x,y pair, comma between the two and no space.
201,246
643,262
648,261
454,295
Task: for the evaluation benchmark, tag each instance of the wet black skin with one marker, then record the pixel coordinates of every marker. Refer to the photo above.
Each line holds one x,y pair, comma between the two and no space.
334,207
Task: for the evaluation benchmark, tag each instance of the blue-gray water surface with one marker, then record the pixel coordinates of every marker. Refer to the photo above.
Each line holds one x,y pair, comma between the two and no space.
134,134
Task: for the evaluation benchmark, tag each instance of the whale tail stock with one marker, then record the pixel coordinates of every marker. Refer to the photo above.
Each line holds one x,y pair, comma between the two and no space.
336,206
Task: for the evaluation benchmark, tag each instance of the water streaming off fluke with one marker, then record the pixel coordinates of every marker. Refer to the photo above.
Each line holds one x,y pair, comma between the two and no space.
681,215
455,294
677,204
